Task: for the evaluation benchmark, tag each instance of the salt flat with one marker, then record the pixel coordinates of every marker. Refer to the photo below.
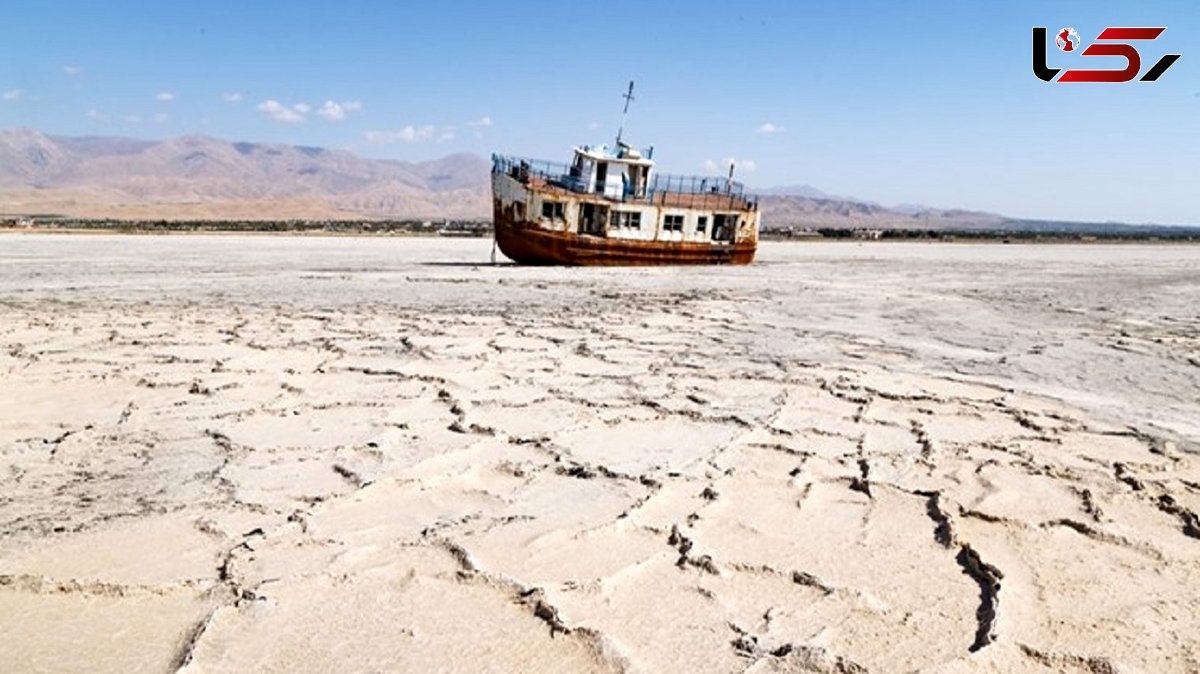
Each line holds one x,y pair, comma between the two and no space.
368,454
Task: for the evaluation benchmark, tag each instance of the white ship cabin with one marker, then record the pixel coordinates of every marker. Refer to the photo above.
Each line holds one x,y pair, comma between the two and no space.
622,174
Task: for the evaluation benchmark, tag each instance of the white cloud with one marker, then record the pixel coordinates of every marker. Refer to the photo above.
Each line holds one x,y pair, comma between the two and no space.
336,112
161,118
302,108
231,97
72,70
445,136
481,123
710,166
332,111
14,95
409,134
594,125
769,129
132,119
280,113
96,115
164,97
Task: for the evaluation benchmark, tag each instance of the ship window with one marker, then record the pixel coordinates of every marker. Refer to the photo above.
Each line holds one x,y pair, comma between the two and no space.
630,219
673,223
701,223
552,210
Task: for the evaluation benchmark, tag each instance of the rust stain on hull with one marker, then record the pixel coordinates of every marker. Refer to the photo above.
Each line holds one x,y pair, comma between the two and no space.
525,243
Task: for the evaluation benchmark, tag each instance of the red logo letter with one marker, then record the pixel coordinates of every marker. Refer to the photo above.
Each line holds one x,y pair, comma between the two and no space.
1131,69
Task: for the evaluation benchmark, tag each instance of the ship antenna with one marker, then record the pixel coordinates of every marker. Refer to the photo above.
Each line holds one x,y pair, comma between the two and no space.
628,96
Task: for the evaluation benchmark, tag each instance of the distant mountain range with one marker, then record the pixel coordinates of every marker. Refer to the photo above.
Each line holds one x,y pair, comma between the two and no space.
201,177
197,177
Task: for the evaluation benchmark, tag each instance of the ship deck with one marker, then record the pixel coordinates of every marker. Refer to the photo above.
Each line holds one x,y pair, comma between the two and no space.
709,193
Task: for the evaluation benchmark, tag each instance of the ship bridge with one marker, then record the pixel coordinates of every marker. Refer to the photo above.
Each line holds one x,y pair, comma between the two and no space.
620,173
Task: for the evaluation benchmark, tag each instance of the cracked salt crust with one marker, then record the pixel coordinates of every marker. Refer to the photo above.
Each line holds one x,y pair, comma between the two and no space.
848,458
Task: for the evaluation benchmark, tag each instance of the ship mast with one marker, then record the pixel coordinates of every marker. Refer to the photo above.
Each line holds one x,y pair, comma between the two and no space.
628,96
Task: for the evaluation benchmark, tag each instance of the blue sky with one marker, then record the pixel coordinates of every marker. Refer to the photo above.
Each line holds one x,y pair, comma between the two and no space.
930,103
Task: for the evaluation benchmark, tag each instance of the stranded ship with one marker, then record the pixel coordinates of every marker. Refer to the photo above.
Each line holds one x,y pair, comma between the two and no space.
609,206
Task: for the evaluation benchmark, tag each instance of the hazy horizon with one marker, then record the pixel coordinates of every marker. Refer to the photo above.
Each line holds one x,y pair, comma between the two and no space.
867,100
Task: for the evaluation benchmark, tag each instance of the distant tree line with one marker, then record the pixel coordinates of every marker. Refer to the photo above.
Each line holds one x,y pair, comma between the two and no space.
467,228
1181,234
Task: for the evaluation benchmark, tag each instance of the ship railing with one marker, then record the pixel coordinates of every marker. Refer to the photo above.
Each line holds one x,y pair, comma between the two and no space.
555,173
708,192
714,192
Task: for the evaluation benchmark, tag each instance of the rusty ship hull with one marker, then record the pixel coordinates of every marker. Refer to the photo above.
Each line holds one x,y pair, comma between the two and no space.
526,243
